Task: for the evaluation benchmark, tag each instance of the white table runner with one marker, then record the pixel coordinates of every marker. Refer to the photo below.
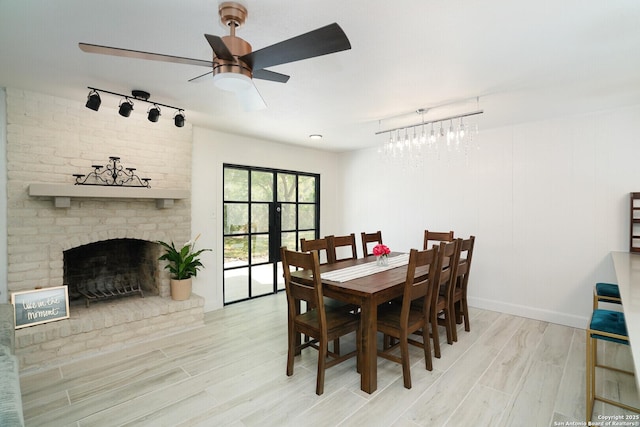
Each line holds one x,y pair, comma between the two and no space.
367,269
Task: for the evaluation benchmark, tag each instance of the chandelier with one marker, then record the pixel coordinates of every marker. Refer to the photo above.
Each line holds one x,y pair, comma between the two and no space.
448,134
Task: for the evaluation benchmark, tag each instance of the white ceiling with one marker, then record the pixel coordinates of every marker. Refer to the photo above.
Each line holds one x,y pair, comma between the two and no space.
526,60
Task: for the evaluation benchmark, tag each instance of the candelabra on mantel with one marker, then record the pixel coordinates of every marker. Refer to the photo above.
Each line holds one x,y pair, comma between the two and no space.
114,174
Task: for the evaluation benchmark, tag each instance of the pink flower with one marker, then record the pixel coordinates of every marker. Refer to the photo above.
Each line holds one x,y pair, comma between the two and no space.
379,250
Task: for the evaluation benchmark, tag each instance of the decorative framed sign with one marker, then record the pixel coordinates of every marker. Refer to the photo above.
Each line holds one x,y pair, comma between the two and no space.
40,306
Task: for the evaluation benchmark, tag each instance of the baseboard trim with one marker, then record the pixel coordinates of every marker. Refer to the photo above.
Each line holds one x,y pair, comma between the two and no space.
530,312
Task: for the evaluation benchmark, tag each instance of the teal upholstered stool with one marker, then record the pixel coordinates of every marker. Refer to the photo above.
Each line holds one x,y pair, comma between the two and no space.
606,292
605,325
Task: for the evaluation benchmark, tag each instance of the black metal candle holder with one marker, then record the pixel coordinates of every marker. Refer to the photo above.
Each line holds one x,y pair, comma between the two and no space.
112,175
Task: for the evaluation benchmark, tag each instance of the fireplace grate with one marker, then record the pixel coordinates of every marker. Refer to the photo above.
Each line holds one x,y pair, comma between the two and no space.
103,291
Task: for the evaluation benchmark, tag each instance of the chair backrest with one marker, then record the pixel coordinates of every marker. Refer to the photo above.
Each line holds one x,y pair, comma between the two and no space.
303,290
420,281
343,247
320,245
370,238
446,269
464,264
436,236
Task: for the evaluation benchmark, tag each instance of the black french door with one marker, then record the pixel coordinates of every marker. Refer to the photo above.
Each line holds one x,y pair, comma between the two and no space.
264,209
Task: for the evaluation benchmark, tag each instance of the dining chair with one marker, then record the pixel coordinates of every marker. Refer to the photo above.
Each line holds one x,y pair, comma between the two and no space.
320,245
442,301
461,306
401,320
341,245
370,238
436,236
320,323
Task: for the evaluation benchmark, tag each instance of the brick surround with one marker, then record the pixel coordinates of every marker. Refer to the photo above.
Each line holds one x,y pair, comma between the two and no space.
48,140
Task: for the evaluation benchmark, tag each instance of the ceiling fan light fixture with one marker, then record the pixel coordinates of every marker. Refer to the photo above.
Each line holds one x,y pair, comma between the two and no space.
232,82
93,101
126,106
154,113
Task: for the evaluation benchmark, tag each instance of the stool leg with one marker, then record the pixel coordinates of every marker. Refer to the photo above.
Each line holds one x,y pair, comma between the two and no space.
590,373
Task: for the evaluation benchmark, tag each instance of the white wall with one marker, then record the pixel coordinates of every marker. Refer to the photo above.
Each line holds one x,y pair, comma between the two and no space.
210,151
547,202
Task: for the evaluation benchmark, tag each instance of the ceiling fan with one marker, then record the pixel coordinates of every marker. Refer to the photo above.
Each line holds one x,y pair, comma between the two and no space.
234,64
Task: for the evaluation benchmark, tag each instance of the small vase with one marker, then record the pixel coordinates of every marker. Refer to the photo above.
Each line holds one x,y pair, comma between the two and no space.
382,260
180,289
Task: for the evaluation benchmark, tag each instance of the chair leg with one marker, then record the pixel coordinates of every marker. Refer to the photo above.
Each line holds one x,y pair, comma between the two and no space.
322,360
465,314
336,346
434,334
291,353
404,354
452,322
426,345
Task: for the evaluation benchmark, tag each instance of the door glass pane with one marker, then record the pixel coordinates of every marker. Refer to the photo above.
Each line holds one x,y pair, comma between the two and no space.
260,217
236,251
261,186
280,277
236,185
236,218
261,280
260,248
307,189
307,218
236,284
288,217
286,187
289,240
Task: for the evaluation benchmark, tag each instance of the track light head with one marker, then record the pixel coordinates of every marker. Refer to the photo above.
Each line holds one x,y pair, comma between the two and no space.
153,113
126,106
93,101
179,119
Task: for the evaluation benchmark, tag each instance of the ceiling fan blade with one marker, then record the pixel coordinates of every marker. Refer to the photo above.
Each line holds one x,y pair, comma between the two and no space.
325,40
219,48
270,75
128,53
250,99
199,78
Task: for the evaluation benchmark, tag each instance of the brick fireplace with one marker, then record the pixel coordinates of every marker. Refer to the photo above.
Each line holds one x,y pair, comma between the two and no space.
50,139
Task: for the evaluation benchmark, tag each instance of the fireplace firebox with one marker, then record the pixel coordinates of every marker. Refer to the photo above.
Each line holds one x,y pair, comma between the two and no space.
112,269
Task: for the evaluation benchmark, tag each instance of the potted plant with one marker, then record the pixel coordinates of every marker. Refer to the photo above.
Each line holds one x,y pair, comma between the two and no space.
183,264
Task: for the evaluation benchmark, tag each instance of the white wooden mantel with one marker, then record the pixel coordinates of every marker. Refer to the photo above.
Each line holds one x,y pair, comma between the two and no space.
62,193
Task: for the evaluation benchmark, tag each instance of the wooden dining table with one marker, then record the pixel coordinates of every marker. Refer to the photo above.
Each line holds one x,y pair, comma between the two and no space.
367,292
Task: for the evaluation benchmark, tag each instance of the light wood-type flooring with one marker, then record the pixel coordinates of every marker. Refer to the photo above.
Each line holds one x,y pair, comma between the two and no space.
508,371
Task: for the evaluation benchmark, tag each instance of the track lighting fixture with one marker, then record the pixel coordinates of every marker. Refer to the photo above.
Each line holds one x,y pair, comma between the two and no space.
179,118
93,101
126,105
154,113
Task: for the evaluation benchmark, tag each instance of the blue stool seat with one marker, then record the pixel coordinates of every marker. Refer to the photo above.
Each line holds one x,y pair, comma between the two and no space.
607,290
608,321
